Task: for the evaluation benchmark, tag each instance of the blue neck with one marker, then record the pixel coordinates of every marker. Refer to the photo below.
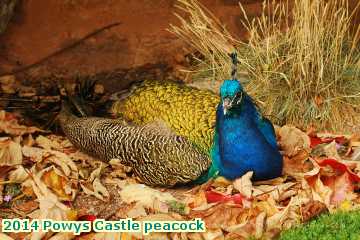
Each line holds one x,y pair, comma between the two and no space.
240,145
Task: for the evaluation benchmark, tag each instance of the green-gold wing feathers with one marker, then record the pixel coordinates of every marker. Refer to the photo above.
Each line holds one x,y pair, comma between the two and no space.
188,111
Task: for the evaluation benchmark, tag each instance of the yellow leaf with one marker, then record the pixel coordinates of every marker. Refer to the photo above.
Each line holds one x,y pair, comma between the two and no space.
56,183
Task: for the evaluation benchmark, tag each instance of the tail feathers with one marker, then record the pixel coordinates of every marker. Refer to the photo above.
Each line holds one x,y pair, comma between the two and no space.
78,105
79,101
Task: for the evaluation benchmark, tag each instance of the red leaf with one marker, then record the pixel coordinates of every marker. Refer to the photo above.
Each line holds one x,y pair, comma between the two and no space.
214,197
314,141
341,186
340,167
90,218
237,198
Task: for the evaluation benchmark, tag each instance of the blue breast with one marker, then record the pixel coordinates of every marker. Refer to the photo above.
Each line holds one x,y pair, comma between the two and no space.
242,144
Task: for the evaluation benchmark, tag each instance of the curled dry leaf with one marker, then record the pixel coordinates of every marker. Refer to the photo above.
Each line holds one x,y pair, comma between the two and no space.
99,188
144,195
46,143
222,215
268,206
136,211
356,154
244,184
9,125
3,236
221,182
18,175
276,220
62,236
294,166
27,207
320,192
213,234
331,151
293,140
65,162
10,152
312,209
49,204
260,225
342,188
99,191
104,236
57,183
28,141
96,173
35,154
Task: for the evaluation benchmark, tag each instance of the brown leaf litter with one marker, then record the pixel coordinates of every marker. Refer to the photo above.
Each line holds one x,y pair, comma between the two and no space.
52,179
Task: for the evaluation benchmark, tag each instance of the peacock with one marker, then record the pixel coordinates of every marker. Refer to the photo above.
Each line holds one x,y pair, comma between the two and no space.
157,156
229,128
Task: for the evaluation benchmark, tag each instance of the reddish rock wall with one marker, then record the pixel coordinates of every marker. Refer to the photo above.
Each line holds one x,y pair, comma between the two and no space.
42,26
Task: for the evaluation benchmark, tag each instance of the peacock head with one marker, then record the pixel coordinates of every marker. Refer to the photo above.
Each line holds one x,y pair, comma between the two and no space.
232,94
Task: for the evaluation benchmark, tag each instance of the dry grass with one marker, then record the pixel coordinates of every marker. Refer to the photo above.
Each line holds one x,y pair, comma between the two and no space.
302,63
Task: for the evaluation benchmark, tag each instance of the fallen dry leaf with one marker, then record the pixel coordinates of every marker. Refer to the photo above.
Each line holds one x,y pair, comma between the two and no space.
260,225
312,209
3,236
10,152
62,236
331,150
244,184
18,175
99,191
276,220
9,125
56,183
51,169
293,140
46,143
294,166
144,195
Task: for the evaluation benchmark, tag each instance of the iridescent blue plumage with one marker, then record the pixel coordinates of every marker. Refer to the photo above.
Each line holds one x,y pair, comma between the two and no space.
244,140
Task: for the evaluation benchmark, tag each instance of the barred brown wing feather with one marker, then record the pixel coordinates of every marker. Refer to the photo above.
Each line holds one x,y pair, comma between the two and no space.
156,159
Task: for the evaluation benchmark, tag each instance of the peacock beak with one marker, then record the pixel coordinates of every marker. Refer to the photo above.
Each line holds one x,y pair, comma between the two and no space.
227,104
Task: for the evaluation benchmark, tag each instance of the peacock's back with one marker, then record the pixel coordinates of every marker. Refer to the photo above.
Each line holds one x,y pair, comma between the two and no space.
188,111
